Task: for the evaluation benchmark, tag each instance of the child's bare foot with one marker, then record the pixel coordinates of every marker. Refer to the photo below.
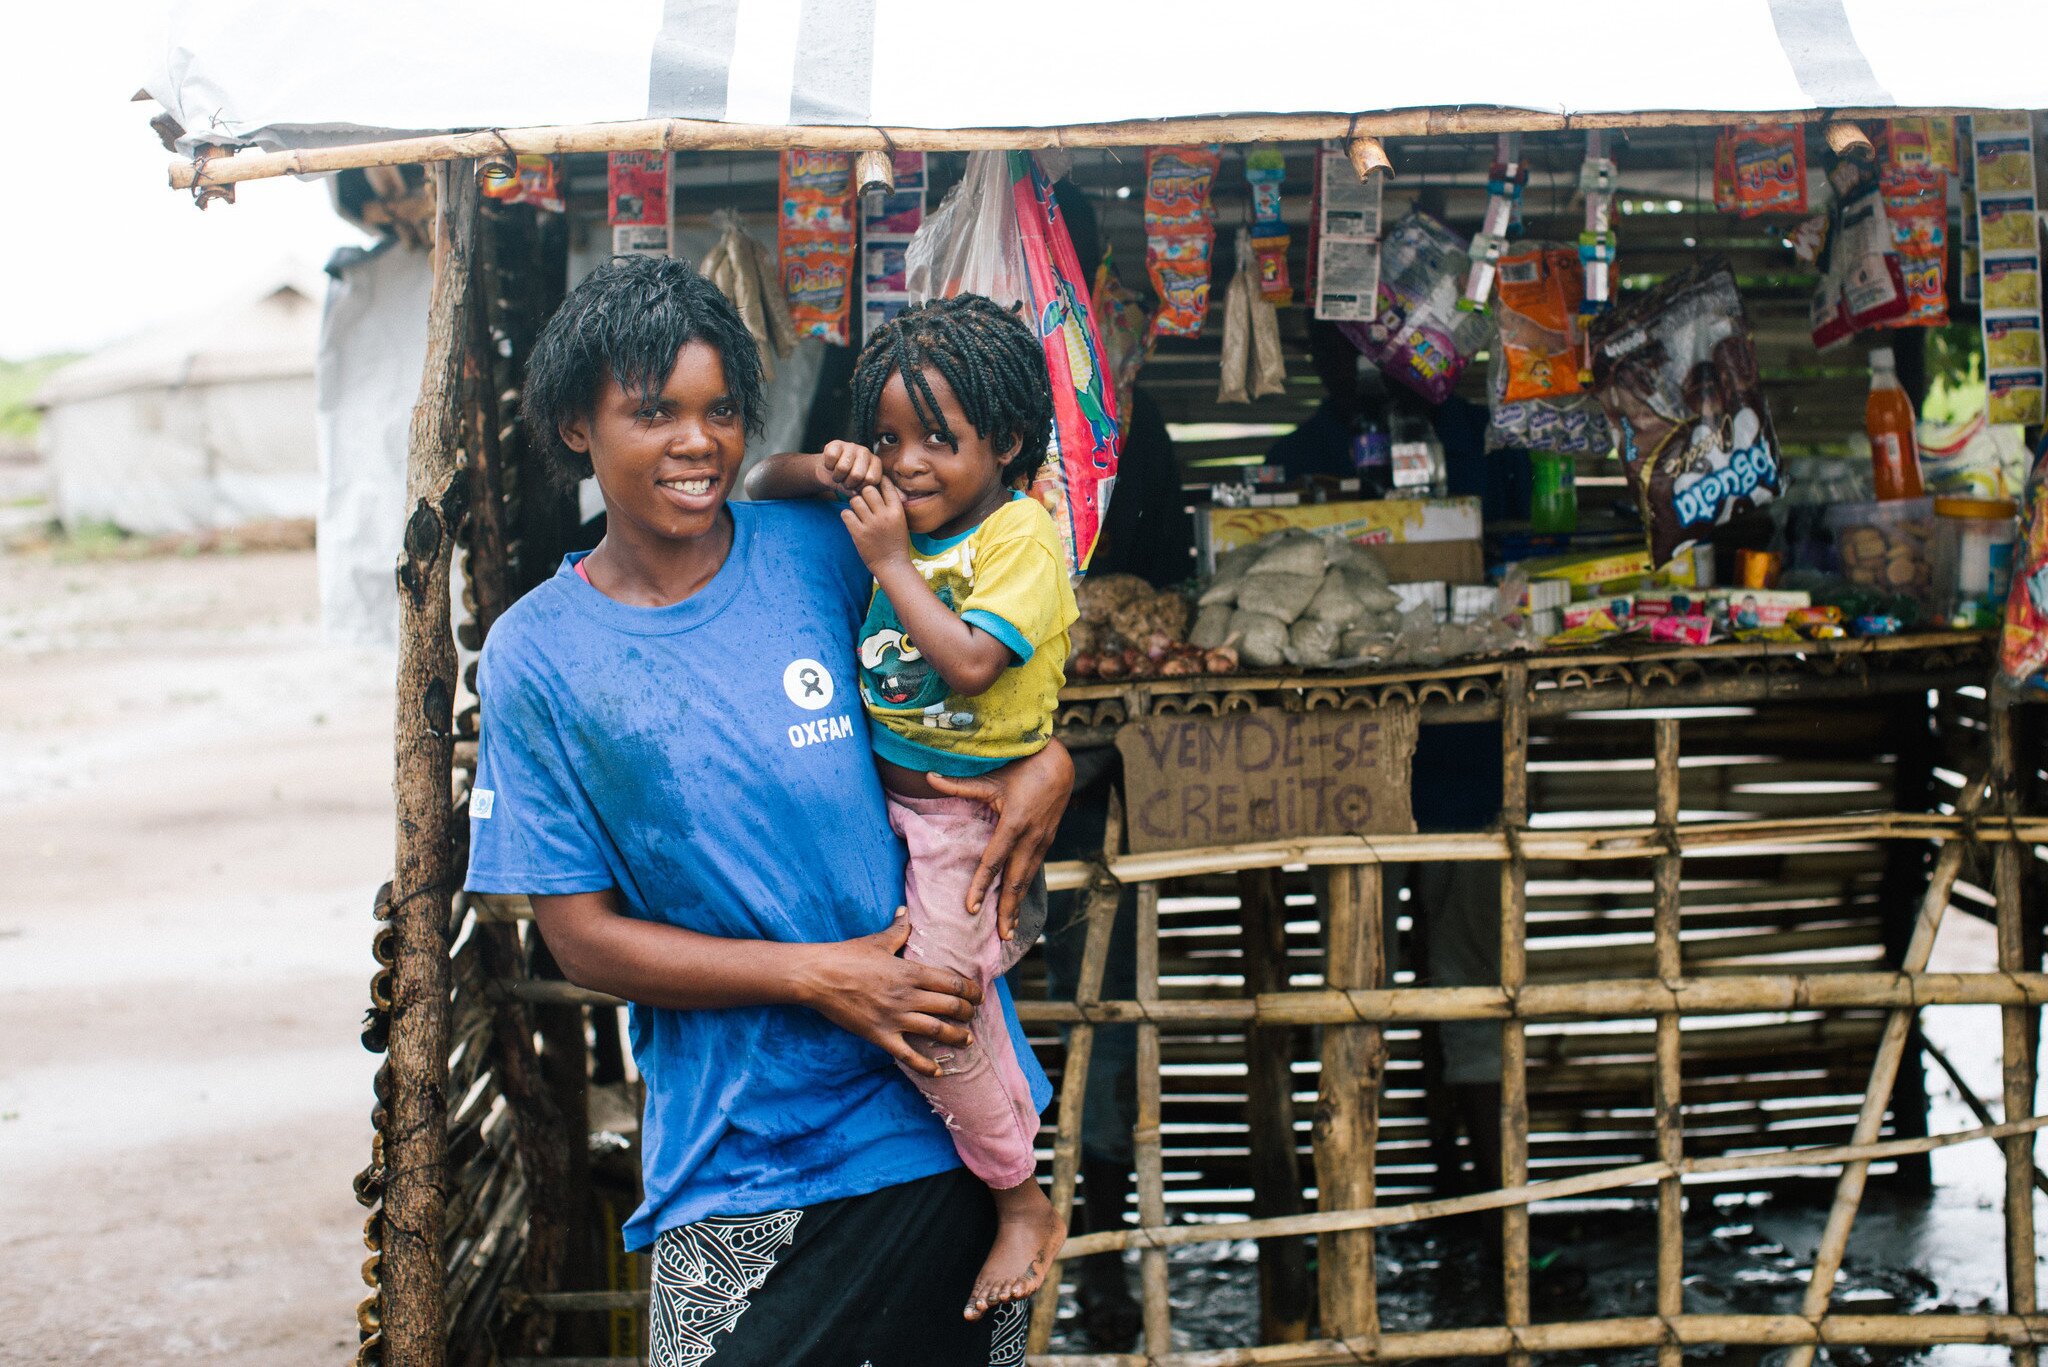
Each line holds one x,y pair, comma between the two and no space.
1029,1233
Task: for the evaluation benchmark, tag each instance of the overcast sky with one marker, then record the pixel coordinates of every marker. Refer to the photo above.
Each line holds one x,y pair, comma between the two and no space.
93,245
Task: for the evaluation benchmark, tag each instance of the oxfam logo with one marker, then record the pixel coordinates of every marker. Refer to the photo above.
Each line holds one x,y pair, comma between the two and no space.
807,684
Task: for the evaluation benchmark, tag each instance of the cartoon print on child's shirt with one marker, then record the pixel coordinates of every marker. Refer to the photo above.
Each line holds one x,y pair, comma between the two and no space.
895,674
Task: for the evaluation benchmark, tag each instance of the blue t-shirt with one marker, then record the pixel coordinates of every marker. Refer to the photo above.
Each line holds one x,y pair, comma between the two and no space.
710,760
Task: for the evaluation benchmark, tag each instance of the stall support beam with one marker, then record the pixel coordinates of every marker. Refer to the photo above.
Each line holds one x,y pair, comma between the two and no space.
1670,1116
1150,1157
1348,1108
1834,1241
424,881
1269,1099
1514,975
2020,1031
1103,897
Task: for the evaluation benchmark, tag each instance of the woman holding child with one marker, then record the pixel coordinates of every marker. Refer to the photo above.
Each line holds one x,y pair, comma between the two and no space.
676,766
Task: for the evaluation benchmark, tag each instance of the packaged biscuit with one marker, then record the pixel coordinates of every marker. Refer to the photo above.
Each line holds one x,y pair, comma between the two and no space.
1760,168
1677,373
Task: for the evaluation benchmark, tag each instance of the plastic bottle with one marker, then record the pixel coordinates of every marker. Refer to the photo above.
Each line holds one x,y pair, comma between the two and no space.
1888,418
1372,444
1554,494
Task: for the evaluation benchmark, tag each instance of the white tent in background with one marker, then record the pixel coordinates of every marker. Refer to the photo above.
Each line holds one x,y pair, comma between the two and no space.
203,422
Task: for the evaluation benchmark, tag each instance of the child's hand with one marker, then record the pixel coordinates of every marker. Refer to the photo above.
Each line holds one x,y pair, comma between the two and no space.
847,467
880,533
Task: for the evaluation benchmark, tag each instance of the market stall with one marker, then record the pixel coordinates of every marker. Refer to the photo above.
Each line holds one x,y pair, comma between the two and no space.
1732,611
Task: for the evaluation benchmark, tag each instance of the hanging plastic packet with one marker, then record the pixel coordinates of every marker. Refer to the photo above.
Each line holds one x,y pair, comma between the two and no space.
1916,203
1677,373
744,270
2023,647
1862,282
1265,170
1759,169
1420,336
1537,399
1180,236
1598,177
1120,319
1253,366
2002,155
535,180
1504,184
1922,143
815,239
636,202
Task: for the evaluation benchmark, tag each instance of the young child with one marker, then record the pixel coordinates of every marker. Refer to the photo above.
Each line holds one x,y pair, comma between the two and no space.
961,658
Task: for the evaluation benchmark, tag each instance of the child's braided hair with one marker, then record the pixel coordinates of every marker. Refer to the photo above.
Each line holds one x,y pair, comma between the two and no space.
989,357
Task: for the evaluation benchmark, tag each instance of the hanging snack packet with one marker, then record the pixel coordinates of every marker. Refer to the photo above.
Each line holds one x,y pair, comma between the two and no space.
1253,366
1916,202
535,180
1179,235
815,237
1862,283
636,202
1921,143
1264,171
1533,380
1760,168
2023,649
1677,373
1420,336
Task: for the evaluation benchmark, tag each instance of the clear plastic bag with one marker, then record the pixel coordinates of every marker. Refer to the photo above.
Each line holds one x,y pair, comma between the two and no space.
971,244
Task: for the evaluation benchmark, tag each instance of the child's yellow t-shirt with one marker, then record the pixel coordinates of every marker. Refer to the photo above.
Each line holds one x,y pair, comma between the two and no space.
1009,578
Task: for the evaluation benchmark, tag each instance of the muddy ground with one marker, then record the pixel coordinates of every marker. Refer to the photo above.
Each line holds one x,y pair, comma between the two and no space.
195,808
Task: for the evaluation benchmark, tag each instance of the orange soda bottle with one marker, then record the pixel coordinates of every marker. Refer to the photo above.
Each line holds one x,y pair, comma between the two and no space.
1888,418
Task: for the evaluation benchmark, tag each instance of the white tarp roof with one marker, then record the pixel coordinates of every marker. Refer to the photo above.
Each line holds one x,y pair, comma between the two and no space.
316,72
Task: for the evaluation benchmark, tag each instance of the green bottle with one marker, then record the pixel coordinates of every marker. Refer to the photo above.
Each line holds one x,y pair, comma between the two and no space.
1553,494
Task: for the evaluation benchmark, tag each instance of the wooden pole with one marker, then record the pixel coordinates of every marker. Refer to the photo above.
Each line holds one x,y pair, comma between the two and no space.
1574,1337
1321,1222
1269,1119
1670,1117
425,878
1538,1001
1346,1130
646,135
1103,898
1834,1242
1150,1169
1514,972
2019,1030
1970,1098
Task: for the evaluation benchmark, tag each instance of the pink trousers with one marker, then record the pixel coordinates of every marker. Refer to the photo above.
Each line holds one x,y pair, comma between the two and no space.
981,1094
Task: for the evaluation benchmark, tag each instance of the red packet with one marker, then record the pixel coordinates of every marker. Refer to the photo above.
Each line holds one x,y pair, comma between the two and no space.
1180,235
815,238
535,180
1916,201
1760,168
636,189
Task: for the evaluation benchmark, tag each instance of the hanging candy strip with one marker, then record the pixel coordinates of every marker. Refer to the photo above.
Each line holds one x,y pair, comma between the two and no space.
1597,177
1503,216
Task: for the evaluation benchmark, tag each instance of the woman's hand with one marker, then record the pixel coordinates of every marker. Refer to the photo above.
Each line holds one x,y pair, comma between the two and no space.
880,532
847,467
1028,798
862,987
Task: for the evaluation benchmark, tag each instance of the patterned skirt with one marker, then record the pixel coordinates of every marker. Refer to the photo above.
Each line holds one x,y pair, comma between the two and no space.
867,1281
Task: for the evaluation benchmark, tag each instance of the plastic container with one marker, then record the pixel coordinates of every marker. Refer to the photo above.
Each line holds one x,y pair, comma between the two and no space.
1887,546
1973,540
1888,418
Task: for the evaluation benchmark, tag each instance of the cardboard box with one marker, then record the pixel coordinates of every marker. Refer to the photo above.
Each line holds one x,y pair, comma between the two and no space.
1371,522
1453,562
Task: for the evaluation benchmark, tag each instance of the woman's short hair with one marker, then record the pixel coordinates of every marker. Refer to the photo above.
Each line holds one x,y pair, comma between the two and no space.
628,319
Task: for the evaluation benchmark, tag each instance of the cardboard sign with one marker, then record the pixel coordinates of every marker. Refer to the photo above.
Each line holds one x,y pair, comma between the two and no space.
1198,780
